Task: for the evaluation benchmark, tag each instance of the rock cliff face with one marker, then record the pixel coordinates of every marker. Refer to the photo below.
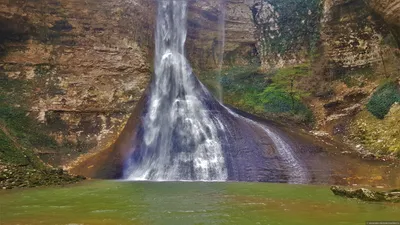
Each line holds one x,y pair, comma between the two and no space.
293,32
350,35
278,34
390,11
83,65
287,31
209,23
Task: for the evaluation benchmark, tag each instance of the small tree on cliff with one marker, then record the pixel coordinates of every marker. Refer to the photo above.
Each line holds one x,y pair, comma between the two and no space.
287,79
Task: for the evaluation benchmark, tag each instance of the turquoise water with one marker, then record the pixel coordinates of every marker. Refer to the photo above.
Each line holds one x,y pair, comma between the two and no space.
113,202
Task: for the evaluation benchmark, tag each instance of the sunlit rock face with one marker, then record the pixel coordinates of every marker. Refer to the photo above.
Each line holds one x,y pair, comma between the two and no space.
85,65
278,34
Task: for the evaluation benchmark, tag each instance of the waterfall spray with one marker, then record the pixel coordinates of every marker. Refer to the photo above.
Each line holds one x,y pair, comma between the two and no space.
221,52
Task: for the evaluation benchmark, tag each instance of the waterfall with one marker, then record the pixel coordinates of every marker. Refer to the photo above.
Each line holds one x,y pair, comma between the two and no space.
186,134
180,138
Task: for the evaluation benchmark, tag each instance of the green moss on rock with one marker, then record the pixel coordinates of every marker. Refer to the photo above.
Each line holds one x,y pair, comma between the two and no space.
13,176
378,136
26,130
366,194
9,152
292,26
42,70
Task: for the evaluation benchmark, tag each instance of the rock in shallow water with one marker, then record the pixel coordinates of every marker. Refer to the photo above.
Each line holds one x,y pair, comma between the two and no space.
366,194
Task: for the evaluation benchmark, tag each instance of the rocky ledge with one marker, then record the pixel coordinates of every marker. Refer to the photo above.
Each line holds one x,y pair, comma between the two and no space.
13,176
367,195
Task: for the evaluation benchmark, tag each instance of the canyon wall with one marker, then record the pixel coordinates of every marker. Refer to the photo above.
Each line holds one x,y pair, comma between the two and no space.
347,33
77,67
389,10
278,34
211,22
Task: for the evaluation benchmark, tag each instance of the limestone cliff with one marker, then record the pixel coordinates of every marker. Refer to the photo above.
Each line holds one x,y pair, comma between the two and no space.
287,31
81,66
293,32
390,11
220,30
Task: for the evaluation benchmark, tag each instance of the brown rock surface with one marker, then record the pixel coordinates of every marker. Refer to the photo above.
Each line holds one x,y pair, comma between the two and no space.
87,64
205,33
366,194
351,35
390,11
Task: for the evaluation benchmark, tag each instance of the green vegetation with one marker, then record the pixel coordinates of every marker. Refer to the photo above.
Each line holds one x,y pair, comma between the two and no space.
377,135
13,116
13,91
26,130
23,135
296,30
20,135
273,95
378,128
9,152
18,121
42,70
277,100
21,128
384,97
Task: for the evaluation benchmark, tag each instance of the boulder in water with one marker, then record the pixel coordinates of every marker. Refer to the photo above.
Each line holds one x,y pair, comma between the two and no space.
366,194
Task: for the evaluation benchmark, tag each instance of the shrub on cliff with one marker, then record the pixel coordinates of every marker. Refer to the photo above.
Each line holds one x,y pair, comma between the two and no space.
277,100
383,99
273,95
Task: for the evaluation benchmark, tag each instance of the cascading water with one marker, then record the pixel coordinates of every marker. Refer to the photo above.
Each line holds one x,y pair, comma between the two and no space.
185,134
180,138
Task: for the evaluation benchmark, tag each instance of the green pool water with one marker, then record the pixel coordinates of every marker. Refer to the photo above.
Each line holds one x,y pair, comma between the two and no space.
113,202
